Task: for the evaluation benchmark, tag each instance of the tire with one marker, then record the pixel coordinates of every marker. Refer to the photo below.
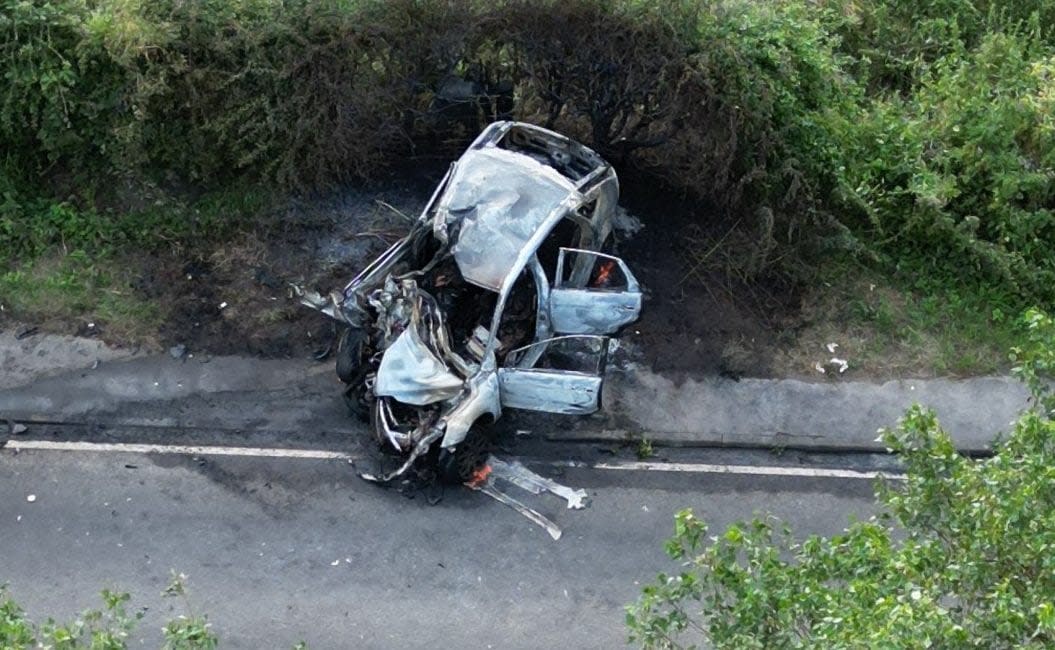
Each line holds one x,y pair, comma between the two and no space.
458,466
357,402
350,355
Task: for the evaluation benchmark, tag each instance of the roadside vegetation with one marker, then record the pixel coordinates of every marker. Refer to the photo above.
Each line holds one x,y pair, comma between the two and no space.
108,628
959,558
822,141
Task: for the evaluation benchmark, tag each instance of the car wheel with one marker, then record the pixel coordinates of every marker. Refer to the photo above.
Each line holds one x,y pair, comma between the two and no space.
459,465
359,404
350,347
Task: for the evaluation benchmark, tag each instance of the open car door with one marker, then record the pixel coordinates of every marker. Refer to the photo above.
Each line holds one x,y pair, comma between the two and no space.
566,379
593,293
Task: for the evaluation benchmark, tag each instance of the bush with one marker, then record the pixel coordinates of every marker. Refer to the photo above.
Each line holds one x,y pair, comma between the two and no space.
957,179
959,558
918,134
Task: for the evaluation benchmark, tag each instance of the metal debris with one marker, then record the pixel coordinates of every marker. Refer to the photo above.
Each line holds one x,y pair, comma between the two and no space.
515,473
488,488
524,478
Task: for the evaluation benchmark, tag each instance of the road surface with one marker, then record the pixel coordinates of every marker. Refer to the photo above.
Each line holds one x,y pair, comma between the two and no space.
281,550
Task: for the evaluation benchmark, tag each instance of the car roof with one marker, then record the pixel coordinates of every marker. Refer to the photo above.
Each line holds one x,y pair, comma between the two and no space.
502,199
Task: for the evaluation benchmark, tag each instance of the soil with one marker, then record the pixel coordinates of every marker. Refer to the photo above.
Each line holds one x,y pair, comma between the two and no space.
696,322
236,297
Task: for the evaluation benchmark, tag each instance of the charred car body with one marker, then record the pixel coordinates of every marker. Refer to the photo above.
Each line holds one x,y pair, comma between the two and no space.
498,297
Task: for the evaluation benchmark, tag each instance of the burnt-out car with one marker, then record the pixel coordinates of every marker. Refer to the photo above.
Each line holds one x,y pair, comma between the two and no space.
498,297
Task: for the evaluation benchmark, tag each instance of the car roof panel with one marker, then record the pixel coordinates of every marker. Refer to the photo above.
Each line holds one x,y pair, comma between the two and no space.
502,199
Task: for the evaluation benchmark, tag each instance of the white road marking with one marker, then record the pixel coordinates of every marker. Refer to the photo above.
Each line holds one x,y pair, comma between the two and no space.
186,450
756,470
319,454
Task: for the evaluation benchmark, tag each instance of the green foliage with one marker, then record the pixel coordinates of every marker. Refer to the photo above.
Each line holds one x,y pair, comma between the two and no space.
645,449
186,632
915,136
960,558
105,629
956,180
15,631
1035,360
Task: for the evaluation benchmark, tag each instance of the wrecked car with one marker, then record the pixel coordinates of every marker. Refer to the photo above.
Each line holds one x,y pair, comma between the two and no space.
498,297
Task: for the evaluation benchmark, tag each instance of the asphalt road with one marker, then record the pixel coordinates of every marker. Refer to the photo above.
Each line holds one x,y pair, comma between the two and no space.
283,550
280,550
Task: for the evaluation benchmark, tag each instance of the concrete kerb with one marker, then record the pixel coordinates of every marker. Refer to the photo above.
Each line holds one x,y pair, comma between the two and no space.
775,413
789,413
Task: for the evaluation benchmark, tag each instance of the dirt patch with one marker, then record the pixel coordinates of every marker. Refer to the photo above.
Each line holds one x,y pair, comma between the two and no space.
699,322
236,298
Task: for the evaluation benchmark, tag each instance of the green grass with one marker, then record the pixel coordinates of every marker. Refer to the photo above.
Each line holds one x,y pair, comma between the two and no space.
73,290
886,328
68,266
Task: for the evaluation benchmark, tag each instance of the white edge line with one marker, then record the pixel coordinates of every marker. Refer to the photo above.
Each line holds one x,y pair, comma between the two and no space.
188,450
703,468
319,454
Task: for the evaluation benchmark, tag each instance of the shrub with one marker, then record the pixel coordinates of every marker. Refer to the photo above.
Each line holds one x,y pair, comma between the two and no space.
916,133
956,180
959,557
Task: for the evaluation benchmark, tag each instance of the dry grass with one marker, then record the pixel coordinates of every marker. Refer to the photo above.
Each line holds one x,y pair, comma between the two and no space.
883,331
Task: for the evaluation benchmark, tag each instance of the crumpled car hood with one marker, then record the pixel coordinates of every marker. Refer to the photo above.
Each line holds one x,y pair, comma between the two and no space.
411,373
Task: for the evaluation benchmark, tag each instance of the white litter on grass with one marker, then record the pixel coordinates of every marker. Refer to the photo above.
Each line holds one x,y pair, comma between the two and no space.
832,347
842,363
31,498
223,305
819,368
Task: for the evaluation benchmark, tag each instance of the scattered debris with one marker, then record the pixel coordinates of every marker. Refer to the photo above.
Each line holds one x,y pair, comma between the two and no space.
522,477
490,490
31,498
515,473
223,305
460,318
26,333
178,351
831,347
834,364
16,428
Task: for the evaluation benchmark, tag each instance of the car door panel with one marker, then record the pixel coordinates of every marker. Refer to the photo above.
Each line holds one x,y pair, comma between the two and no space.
552,391
581,305
581,311
567,378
